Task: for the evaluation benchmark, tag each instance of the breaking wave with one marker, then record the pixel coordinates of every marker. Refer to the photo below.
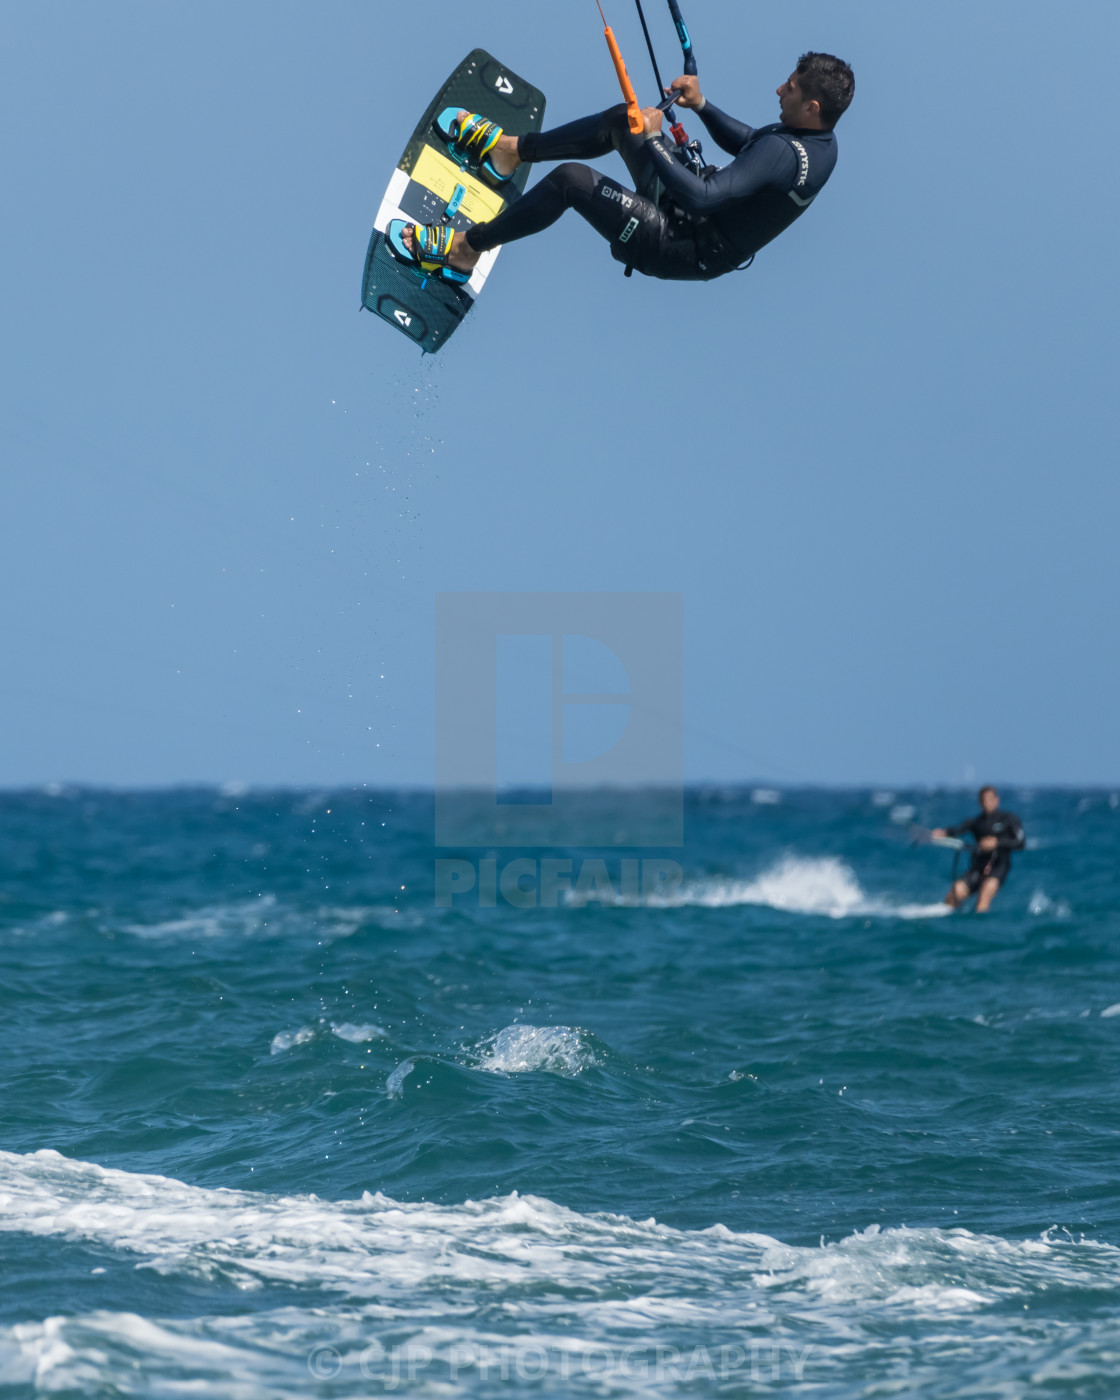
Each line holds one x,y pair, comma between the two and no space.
524,1049
457,1281
799,885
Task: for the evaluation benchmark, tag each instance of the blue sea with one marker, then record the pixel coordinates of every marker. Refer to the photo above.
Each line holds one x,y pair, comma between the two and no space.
275,1123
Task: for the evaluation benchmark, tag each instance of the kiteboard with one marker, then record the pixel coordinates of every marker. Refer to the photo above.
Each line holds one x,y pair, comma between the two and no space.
429,187
923,836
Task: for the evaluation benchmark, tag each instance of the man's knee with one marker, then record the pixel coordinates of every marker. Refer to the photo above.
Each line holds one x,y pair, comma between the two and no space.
572,180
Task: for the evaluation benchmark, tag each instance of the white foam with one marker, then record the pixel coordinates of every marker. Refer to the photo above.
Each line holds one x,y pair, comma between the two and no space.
358,1035
380,1243
341,922
525,1269
525,1049
212,921
798,885
1041,905
286,1040
265,917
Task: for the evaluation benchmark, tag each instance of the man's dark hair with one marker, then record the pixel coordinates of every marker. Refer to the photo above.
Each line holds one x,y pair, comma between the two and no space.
828,80
987,788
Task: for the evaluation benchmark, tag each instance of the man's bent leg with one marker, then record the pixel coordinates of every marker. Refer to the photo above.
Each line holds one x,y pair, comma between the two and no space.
629,222
584,139
591,137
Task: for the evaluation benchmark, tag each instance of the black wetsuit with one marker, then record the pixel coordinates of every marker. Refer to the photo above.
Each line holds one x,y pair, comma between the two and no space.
676,225
990,865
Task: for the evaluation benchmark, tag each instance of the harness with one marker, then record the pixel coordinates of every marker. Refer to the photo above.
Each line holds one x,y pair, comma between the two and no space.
714,250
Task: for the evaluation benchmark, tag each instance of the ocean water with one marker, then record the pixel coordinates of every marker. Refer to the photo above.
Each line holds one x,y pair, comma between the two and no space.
275,1123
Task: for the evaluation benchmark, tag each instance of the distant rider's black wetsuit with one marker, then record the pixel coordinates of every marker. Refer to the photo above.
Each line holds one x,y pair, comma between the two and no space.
677,225
990,865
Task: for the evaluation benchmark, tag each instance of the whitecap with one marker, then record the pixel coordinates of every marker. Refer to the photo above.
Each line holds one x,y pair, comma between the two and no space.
212,921
266,917
524,1270
357,1035
286,1040
1041,905
344,922
798,885
525,1049
374,1245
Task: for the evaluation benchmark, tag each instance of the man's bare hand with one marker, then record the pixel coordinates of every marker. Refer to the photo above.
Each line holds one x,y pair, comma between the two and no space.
938,833
653,118
987,843
689,90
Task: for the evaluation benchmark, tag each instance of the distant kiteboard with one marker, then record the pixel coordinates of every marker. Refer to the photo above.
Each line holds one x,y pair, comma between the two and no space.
923,836
429,187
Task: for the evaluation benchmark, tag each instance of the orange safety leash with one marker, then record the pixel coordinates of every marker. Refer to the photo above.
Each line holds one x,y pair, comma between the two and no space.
633,110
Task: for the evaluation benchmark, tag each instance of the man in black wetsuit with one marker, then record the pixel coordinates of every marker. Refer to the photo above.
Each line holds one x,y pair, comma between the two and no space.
997,834
676,224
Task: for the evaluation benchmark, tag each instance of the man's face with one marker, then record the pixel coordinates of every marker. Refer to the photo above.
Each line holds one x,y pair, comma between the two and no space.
794,104
990,801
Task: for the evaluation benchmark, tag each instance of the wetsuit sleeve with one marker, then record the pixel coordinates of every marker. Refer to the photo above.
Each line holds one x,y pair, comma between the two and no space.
768,162
965,828
1013,838
728,134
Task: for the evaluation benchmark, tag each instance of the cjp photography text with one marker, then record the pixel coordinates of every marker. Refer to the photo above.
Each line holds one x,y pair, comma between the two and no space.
761,1361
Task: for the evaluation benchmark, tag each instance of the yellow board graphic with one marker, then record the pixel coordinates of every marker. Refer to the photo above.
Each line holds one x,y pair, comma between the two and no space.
441,175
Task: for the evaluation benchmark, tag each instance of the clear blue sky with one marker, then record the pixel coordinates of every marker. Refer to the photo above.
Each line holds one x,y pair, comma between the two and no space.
880,466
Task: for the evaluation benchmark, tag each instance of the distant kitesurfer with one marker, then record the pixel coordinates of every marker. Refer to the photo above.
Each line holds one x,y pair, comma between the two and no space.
997,834
676,225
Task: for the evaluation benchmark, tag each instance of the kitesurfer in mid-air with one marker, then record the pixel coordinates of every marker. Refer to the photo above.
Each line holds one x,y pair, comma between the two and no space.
676,224
997,834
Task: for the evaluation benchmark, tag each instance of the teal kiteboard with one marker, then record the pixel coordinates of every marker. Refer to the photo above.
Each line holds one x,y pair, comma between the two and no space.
923,836
430,187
